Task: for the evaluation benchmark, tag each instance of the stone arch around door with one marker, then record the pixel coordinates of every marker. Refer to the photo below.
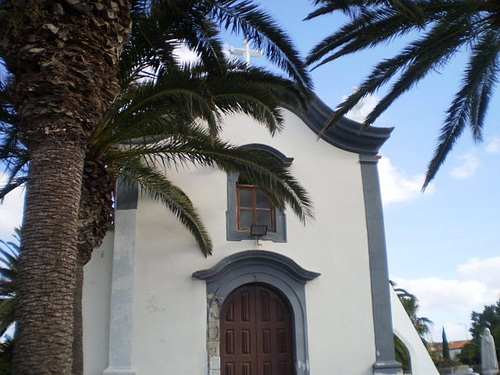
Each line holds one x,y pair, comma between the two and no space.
263,267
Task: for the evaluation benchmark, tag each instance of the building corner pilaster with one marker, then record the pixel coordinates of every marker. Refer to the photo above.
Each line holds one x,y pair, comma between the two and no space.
379,274
387,368
122,282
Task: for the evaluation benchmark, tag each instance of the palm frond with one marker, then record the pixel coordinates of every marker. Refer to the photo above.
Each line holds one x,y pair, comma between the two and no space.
151,108
485,64
356,8
427,54
153,101
351,8
13,153
254,78
155,185
443,28
16,177
160,28
242,16
16,162
366,31
321,10
471,101
7,312
189,21
7,113
200,149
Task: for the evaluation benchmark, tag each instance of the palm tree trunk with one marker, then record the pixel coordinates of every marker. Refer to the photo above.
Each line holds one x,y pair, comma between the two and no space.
64,58
47,266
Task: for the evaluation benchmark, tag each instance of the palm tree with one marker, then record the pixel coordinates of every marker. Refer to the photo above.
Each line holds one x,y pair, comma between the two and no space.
59,115
64,59
442,28
421,324
410,303
159,119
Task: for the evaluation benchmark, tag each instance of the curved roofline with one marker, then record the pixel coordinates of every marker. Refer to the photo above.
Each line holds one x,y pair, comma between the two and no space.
346,134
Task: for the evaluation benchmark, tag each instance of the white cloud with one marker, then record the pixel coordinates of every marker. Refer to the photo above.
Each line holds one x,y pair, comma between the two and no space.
396,186
483,270
186,56
363,108
468,168
450,302
11,210
459,295
493,146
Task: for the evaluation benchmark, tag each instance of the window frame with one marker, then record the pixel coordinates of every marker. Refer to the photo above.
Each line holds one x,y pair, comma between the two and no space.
255,209
232,213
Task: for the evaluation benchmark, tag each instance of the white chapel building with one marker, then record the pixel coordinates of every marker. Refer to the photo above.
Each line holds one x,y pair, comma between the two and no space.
299,300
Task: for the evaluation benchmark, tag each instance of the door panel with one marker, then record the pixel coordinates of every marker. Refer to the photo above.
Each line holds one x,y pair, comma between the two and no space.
256,333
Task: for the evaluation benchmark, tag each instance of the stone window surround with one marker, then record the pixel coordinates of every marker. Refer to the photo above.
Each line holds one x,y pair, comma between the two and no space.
232,233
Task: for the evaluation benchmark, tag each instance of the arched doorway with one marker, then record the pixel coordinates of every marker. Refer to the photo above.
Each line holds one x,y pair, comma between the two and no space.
256,332
264,267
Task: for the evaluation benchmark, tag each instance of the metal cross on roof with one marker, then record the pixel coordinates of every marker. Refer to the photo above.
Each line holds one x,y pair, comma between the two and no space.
246,52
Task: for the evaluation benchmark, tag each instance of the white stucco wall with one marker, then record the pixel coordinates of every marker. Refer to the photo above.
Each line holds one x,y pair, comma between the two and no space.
170,312
421,362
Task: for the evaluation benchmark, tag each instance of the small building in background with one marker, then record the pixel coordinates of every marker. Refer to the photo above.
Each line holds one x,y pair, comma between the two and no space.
456,348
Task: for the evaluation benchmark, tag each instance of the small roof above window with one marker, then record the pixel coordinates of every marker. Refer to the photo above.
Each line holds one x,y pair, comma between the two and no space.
285,160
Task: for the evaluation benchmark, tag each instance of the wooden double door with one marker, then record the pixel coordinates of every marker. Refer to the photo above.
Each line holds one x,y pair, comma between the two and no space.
256,333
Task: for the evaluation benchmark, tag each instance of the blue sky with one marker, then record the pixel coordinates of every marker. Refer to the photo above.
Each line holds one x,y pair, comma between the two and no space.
443,244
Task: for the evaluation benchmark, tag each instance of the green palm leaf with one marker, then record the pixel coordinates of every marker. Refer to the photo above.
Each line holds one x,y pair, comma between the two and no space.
442,29
356,7
155,184
471,102
197,147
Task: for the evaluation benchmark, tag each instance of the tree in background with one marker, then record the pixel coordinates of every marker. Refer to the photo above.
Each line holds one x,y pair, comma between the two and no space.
441,353
489,318
421,324
410,303
446,346
440,30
